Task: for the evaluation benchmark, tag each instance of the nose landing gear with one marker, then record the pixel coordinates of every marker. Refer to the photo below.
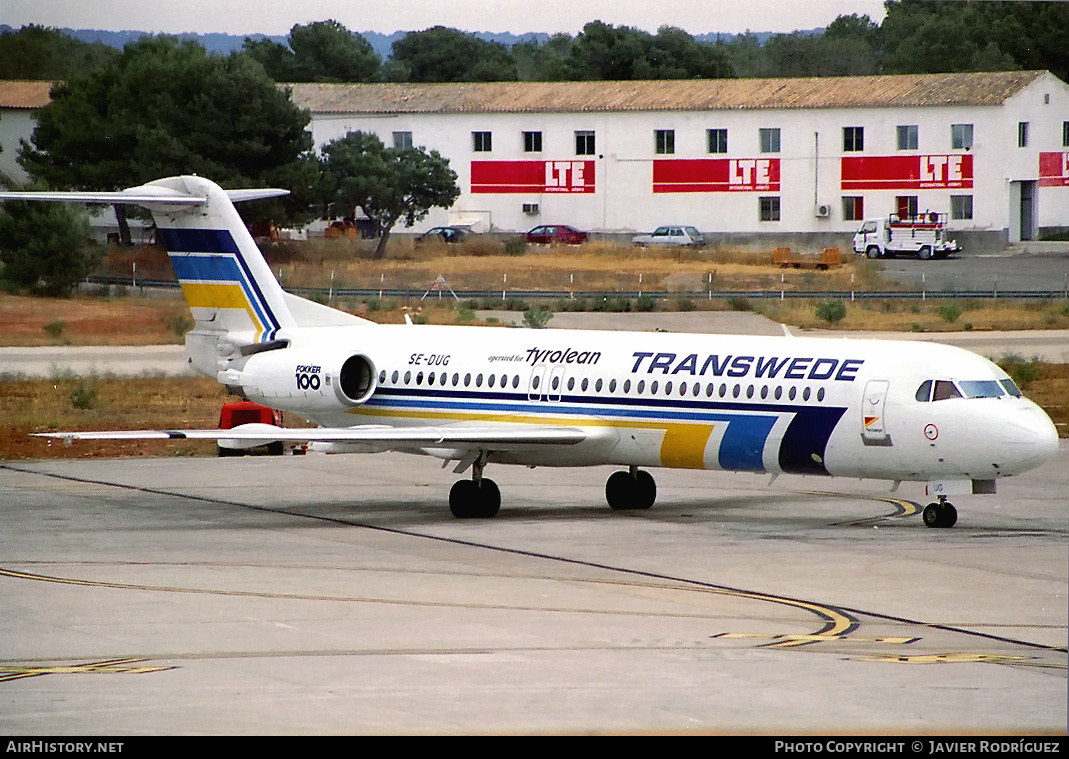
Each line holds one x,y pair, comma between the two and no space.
940,514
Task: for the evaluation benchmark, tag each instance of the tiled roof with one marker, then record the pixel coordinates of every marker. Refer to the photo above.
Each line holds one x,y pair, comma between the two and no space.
679,95
24,94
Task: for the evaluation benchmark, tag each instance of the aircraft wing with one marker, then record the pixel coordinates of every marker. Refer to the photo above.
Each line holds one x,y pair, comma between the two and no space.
250,435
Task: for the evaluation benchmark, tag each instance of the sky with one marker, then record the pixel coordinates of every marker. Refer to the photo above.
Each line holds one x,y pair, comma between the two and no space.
276,17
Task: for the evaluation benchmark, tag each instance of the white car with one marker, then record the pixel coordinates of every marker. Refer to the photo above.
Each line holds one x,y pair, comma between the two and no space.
688,236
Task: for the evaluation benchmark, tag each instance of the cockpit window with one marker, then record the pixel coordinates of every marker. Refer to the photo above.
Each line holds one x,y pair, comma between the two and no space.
981,388
1010,387
941,390
945,389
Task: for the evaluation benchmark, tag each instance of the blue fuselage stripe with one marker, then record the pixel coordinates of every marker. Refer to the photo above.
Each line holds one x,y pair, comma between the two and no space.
741,447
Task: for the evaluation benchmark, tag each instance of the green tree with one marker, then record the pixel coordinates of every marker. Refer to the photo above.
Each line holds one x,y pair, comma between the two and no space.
36,52
440,54
605,52
165,107
927,36
45,247
323,51
546,62
390,184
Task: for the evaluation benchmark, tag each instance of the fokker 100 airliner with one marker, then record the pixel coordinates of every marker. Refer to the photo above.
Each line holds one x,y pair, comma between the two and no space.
900,411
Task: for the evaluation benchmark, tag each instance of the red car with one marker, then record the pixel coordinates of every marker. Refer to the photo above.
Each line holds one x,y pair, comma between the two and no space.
555,233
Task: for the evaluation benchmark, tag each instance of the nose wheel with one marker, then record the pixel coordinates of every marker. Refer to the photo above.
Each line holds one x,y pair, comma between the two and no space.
940,514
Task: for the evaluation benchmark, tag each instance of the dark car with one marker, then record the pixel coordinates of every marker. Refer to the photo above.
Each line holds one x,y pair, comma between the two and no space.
547,234
446,234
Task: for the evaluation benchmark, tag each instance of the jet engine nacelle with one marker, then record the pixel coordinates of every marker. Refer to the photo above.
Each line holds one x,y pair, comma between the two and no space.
306,380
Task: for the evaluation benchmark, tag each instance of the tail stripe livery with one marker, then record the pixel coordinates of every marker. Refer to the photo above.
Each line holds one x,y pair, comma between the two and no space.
214,275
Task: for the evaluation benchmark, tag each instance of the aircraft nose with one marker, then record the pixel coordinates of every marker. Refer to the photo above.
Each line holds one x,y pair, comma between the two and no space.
1031,440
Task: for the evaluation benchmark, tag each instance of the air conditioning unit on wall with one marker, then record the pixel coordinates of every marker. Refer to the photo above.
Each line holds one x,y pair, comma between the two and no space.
531,209
822,211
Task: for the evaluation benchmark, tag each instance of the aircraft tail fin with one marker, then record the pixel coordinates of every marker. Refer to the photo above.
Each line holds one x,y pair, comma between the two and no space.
235,299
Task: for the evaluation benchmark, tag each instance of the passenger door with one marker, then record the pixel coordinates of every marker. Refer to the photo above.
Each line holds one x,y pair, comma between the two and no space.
873,413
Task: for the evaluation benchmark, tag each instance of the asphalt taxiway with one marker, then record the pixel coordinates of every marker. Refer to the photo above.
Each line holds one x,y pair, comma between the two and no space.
336,594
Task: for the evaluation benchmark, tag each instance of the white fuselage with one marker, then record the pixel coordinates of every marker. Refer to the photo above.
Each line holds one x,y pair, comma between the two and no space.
762,404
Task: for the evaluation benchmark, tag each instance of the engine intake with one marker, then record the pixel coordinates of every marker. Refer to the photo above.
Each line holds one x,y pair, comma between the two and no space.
356,379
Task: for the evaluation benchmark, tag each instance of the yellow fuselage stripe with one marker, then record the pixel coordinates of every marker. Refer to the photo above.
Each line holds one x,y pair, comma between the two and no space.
683,445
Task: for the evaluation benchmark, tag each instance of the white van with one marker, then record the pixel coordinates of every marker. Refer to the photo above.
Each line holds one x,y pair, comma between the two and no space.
923,236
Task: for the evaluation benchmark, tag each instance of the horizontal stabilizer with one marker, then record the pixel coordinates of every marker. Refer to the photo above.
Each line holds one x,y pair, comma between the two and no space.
146,195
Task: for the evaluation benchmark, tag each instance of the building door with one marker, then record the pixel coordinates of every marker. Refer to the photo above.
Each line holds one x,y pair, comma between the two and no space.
1028,210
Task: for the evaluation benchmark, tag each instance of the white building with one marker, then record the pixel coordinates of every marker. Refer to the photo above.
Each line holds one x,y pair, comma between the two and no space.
741,159
19,101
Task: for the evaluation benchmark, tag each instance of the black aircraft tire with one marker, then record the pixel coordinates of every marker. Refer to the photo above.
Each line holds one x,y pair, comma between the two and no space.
618,491
645,490
931,515
462,499
489,499
470,501
949,516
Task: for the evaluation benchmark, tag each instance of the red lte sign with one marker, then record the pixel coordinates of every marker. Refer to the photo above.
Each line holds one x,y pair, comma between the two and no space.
716,175
907,172
535,177
1054,169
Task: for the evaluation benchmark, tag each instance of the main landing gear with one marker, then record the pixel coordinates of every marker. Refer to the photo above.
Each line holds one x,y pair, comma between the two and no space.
477,498
940,514
630,490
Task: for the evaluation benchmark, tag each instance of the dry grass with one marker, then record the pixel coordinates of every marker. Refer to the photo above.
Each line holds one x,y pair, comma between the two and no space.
594,266
931,315
28,406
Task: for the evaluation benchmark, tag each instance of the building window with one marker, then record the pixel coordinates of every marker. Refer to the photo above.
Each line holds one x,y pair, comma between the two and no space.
665,141
769,140
906,206
853,139
961,206
961,136
1065,134
853,208
907,137
1022,134
584,143
402,140
718,140
532,142
770,209
481,142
